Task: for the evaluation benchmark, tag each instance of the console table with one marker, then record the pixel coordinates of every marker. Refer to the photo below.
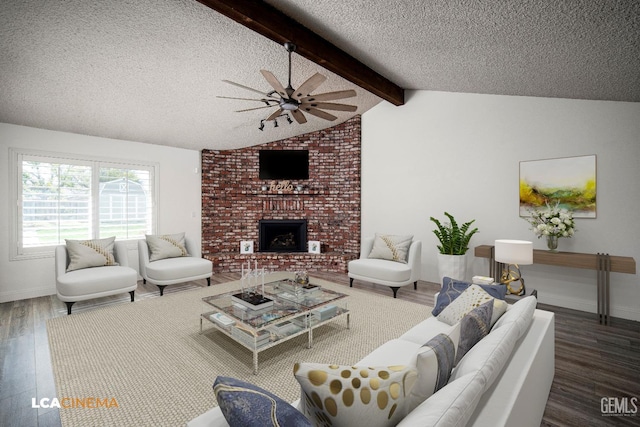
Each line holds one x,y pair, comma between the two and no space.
603,264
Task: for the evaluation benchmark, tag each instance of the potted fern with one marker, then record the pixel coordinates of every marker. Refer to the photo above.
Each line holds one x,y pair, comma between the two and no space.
454,243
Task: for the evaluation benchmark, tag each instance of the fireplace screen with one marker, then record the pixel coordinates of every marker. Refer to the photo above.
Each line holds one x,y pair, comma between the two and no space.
283,235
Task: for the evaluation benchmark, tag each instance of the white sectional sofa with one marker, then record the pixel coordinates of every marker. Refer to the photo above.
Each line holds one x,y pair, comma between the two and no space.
504,380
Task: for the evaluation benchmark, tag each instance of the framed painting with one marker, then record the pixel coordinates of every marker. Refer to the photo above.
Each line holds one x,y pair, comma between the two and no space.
246,247
568,181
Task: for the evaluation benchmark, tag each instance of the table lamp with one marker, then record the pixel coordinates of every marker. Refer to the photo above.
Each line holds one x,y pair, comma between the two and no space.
513,253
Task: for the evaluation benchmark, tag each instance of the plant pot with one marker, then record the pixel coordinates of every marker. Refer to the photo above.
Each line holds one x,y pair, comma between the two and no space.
453,266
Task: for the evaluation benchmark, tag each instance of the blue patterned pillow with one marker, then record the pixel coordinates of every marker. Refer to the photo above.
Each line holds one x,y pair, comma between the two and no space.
473,327
246,405
452,288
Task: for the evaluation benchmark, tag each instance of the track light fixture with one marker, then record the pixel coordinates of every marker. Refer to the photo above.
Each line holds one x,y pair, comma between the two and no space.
275,121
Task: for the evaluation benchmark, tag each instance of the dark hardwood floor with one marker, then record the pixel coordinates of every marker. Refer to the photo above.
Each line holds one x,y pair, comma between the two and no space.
592,361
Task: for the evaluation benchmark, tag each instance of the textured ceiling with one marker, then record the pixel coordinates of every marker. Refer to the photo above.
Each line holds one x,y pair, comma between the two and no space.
150,70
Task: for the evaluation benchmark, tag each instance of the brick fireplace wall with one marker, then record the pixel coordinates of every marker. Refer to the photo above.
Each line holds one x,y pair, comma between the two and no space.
233,202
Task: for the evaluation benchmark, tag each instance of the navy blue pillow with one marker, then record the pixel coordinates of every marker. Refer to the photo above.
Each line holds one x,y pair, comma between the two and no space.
247,405
452,288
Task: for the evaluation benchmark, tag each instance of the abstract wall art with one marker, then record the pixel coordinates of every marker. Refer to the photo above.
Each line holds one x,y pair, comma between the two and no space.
570,182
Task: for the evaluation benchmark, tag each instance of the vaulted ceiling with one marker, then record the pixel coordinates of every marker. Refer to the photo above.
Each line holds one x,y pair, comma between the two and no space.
152,70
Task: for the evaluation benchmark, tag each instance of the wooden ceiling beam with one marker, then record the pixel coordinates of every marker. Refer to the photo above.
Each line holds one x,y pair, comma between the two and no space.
275,25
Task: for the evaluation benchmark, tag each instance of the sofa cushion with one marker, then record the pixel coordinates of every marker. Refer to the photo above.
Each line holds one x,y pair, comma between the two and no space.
354,395
425,330
393,352
246,405
473,327
84,282
90,253
380,269
451,406
452,288
520,313
166,246
434,362
472,297
391,248
489,356
178,268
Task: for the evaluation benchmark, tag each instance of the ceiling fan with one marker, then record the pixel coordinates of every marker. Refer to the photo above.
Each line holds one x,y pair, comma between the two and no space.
297,101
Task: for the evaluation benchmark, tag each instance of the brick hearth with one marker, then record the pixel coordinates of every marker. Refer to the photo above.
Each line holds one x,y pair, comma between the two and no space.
233,202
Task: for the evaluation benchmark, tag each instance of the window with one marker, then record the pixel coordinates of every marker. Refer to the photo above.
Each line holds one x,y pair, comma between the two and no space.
62,197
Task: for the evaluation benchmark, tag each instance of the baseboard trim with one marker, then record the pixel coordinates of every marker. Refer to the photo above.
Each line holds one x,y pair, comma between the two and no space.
589,306
26,294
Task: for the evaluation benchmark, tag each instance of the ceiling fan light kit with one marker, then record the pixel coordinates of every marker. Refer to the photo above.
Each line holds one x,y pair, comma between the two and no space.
294,101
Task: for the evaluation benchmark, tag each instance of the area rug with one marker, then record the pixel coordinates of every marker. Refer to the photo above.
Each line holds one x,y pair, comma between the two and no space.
147,364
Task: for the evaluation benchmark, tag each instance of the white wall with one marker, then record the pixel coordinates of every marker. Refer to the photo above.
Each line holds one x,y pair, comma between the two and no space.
179,201
460,153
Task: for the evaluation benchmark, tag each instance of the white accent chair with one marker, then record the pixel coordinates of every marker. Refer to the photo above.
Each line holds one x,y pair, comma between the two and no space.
94,282
383,272
170,271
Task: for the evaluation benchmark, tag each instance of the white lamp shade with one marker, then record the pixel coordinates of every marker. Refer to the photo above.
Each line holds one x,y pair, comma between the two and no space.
514,252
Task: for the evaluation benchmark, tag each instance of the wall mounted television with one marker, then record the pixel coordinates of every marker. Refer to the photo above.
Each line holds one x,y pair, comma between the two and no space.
284,164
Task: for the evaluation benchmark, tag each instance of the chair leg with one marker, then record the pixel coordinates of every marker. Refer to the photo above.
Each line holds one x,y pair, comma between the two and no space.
395,290
69,304
208,281
415,285
351,282
132,294
161,287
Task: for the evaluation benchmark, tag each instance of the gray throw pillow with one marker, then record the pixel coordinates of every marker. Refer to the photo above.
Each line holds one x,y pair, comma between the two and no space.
390,247
473,327
166,246
90,253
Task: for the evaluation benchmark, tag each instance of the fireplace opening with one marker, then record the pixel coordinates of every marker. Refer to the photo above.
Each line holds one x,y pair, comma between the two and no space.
276,235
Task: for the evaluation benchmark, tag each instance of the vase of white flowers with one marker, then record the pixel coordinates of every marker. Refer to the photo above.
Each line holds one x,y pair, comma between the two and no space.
553,223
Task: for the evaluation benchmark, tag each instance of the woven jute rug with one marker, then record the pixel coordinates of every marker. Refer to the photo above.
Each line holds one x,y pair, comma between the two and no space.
150,358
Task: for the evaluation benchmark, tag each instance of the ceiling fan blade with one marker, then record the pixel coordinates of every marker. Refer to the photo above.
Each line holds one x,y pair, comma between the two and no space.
275,114
330,106
248,99
309,86
320,113
273,81
251,109
248,88
298,116
330,96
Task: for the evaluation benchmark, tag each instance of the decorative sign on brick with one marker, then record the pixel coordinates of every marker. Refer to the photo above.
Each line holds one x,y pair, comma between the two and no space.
281,186
233,201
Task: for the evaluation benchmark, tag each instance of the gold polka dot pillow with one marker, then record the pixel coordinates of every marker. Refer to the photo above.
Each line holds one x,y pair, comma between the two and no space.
473,297
334,395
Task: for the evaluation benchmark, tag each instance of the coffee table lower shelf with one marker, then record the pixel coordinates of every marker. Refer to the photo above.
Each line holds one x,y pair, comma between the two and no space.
275,338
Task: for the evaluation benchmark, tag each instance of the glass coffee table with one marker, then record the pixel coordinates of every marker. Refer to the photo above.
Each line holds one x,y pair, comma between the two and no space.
295,310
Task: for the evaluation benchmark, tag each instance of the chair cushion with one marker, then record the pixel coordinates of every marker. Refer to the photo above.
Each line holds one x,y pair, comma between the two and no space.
380,269
90,253
80,283
391,248
178,268
166,246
